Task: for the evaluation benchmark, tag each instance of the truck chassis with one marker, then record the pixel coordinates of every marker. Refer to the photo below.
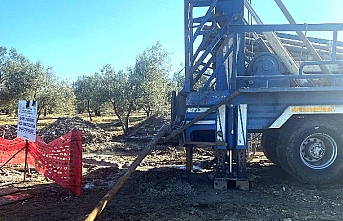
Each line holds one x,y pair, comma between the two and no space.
246,77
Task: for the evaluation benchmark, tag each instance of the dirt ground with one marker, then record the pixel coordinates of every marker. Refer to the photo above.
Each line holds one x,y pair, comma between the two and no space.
162,190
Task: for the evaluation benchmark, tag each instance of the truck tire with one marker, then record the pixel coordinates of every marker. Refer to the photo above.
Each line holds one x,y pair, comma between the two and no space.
313,150
269,142
280,150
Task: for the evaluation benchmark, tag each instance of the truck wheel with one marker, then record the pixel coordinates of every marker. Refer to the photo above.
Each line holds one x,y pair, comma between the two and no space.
269,142
313,151
280,150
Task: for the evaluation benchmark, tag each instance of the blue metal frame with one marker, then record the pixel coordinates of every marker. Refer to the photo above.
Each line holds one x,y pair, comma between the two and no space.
312,39
196,64
334,27
221,33
215,44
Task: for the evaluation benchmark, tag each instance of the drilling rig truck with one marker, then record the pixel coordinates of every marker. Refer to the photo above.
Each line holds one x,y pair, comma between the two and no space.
243,76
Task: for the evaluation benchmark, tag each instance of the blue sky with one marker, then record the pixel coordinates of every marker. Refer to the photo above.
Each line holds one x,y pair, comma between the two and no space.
78,37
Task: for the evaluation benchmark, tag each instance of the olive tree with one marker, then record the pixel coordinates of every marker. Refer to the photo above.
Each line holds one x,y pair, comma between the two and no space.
17,76
150,78
54,96
87,91
22,79
117,89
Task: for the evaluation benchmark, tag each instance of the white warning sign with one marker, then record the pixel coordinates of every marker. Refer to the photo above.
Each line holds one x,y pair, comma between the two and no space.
27,120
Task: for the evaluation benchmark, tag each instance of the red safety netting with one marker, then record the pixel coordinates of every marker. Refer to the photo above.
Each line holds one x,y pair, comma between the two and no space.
60,160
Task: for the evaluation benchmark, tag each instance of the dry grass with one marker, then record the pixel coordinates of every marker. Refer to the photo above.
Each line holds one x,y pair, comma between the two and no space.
107,122
8,120
42,122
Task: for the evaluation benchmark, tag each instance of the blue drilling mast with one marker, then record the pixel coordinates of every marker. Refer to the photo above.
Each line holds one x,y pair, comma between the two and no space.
242,76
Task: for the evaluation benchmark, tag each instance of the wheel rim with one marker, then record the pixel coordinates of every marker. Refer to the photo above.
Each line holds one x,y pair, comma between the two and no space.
318,151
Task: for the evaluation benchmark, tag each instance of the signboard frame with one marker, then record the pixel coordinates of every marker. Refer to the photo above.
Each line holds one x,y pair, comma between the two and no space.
27,120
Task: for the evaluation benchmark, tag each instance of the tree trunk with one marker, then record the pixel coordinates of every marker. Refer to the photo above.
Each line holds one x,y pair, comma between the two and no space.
147,111
39,111
97,113
118,115
127,118
89,110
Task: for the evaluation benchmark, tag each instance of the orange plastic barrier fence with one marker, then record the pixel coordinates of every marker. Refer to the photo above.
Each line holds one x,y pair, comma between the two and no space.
60,160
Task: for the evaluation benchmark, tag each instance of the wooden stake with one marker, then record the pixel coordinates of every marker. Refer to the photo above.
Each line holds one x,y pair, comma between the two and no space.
189,158
111,193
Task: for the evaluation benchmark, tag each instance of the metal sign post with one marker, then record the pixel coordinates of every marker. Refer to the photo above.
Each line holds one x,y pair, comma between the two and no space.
27,125
26,152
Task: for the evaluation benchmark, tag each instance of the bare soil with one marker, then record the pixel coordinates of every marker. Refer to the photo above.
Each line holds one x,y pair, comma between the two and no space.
162,190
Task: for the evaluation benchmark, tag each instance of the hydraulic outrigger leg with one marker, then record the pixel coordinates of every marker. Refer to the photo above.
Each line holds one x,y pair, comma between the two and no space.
230,167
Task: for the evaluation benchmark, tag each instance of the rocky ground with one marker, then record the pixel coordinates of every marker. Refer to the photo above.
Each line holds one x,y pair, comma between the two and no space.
162,190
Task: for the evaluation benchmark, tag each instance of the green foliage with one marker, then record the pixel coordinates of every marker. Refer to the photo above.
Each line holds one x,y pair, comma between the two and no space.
144,86
150,76
21,79
107,88
118,91
178,80
54,96
17,76
87,90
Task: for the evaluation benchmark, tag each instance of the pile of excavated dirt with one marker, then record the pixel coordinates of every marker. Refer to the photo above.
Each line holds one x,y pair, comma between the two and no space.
162,190
90,132
8,132
149,127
